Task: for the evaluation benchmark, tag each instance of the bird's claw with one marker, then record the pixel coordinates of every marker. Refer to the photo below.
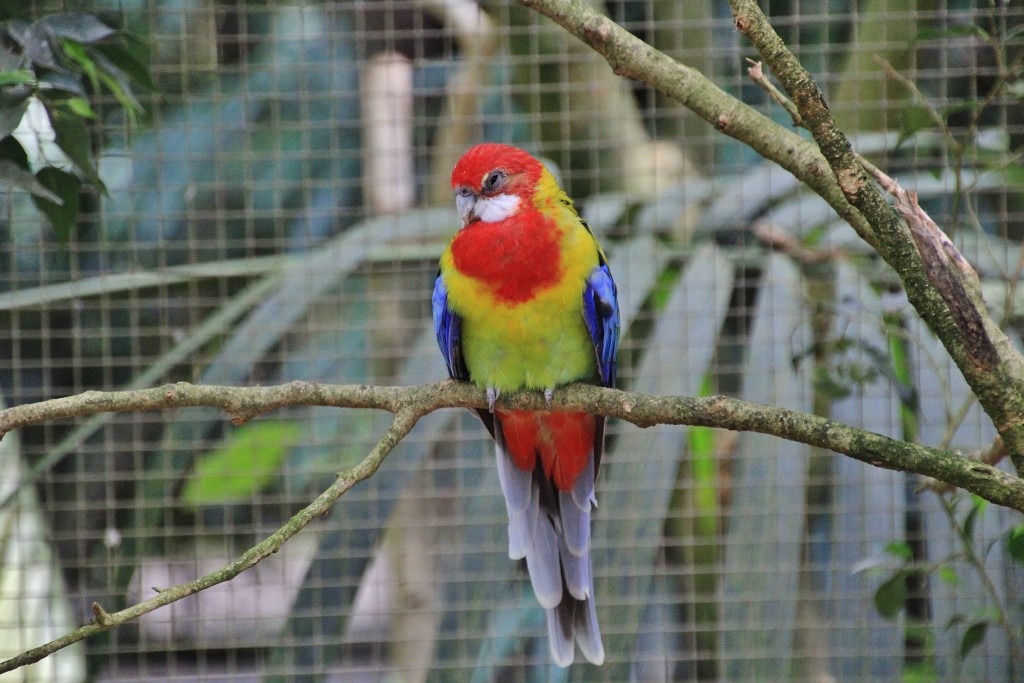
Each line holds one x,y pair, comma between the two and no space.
492,397
548,395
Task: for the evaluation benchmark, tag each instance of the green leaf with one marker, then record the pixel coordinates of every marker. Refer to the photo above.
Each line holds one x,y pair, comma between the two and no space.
117,83
978,506
54,81
891,596
36,42
914,119
829,385
61,214
11,116
16,77
77,53
951,32
949,575
966,106
16,84
11,150
131,62
80,106
243,467
85,28
13,175
73,139
1013,175
1012,34
11,58
1015,543
899,549
973,637
704,469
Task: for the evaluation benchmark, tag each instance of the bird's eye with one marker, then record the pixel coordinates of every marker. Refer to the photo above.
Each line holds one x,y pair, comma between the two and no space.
493,180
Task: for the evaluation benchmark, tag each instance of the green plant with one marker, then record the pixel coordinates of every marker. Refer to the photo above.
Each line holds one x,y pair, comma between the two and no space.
51,73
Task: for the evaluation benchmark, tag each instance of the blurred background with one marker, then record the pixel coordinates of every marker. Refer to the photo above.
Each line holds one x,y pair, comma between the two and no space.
275,201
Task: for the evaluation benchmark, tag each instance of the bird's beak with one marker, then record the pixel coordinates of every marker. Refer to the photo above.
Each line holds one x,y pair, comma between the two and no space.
465,204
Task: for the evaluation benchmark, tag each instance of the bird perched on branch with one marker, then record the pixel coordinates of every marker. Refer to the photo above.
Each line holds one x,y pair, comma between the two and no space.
525,301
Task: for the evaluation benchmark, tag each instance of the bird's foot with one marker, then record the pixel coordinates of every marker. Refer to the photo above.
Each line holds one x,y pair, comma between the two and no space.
548,395
492,397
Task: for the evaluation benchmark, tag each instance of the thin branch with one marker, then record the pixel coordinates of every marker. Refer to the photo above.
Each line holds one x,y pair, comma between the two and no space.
760,78
977,563
404,421
956,146
780,239
919,99
241,403
756,72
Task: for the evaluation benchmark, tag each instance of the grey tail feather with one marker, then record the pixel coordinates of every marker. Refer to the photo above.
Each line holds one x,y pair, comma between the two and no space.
574,621
551,529
588,633
561,637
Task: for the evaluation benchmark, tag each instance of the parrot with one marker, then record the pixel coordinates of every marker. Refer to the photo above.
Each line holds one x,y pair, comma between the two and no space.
524,300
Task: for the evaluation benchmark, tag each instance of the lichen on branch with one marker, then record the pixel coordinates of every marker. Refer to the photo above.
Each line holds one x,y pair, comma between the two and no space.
245,403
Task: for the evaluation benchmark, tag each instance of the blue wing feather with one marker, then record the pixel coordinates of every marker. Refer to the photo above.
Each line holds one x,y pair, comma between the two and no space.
601,313
448,328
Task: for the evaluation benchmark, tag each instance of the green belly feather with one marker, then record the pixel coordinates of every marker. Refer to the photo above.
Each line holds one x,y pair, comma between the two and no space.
536,345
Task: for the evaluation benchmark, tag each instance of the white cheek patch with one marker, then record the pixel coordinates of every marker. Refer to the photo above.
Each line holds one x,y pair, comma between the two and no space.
497,208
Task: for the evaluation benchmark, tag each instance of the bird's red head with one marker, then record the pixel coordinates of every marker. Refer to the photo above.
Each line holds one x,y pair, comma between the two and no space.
474,170
493,182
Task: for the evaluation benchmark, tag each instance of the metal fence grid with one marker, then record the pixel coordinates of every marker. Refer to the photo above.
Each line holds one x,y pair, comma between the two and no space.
272,217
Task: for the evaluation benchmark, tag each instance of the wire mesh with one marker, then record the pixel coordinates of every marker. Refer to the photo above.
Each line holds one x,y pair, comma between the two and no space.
277,213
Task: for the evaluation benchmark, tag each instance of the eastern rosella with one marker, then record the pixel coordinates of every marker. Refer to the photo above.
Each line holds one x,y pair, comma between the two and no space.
524,300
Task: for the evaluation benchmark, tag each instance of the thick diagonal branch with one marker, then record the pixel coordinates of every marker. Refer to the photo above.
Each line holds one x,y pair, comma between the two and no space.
987,359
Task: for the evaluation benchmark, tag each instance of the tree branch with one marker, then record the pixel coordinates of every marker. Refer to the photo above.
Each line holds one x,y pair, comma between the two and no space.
244,403
411,403
947,270
987,359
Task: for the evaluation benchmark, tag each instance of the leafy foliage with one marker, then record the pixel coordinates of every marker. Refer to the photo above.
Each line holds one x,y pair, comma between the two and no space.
891,596
50,71
242,467
969,557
